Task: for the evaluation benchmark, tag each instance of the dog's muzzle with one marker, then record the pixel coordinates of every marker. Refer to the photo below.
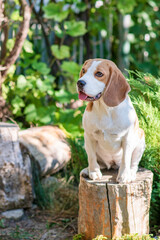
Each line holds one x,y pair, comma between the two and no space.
81,84
82,95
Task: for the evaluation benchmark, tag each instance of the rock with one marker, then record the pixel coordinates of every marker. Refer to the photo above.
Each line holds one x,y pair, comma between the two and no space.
48,147
15,171
13,214
34,206
112,209
49,181
58,234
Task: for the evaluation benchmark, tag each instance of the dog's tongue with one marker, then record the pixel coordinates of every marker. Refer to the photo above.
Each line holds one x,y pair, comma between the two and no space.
82,96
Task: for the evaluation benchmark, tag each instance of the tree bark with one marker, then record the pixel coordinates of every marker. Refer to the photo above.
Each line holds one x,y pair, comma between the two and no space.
86,37
112,209
5,28
21,36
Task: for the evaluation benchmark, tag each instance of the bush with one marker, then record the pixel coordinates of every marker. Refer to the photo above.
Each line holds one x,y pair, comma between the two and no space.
145,96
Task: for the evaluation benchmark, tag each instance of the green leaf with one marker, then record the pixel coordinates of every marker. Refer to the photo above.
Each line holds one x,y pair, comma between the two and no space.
44,85
50,78
31,113
17,104
126,6
74,28
72,129
21,82
58,31
46,119
81,6
15,16
28,46
60,52
11,71
10,44
63,96
71,67
40,84
55,11
30,108
41,67
45,115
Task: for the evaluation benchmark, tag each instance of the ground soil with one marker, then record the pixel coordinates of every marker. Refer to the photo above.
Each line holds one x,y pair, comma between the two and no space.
39,225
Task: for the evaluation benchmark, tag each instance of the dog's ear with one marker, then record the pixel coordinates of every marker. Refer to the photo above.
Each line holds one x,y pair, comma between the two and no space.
116,89
81,73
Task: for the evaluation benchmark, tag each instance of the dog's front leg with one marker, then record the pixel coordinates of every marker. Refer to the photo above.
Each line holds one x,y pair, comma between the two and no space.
124,173
94,168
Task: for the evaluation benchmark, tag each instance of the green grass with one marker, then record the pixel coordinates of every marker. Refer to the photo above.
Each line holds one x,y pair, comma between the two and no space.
145,96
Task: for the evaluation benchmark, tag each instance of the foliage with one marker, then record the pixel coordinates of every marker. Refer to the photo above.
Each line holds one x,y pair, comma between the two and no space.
33,99
125,237
40,86
135,237
62,197
42,198
20,234
60,24
2,223
78,237
78,159
146,99
100,237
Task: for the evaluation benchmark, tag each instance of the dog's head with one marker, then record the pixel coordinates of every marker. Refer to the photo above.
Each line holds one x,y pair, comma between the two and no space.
101,78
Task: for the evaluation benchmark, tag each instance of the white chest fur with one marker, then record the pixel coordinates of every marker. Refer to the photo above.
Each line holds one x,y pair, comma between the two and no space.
113,121
108,126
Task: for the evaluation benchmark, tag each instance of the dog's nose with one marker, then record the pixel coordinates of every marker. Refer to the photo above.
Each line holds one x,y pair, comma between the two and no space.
81,84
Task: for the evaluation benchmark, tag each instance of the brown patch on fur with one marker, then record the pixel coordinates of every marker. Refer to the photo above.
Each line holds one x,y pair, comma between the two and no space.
116,85
85,66
141,133
116,88
104,67
89,106
136,124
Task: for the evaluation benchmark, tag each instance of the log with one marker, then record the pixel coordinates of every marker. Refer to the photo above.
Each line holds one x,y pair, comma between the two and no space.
48,147
15,171
111,209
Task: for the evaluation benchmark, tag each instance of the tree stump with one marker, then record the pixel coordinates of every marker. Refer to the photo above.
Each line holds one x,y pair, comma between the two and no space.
15,171
111,209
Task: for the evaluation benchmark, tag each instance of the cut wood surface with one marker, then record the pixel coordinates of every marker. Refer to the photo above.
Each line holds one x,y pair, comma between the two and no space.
112,209
15,171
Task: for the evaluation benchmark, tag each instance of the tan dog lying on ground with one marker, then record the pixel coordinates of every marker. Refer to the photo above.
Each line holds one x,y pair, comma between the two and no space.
113,138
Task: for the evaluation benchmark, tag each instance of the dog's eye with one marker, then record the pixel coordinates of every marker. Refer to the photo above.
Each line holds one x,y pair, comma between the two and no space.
99,74
83,71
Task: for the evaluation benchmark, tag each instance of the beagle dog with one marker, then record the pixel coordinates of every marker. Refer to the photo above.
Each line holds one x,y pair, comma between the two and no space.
112,135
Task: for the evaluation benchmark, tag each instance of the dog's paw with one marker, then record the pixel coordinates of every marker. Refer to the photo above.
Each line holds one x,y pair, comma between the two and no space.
133,175
124,177
95,174
84,172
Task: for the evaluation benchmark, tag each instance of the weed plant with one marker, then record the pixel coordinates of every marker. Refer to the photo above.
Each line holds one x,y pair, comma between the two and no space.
125,237
145,96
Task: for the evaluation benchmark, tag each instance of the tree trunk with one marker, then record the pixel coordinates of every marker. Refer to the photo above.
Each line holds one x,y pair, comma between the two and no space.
112,209
21,36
